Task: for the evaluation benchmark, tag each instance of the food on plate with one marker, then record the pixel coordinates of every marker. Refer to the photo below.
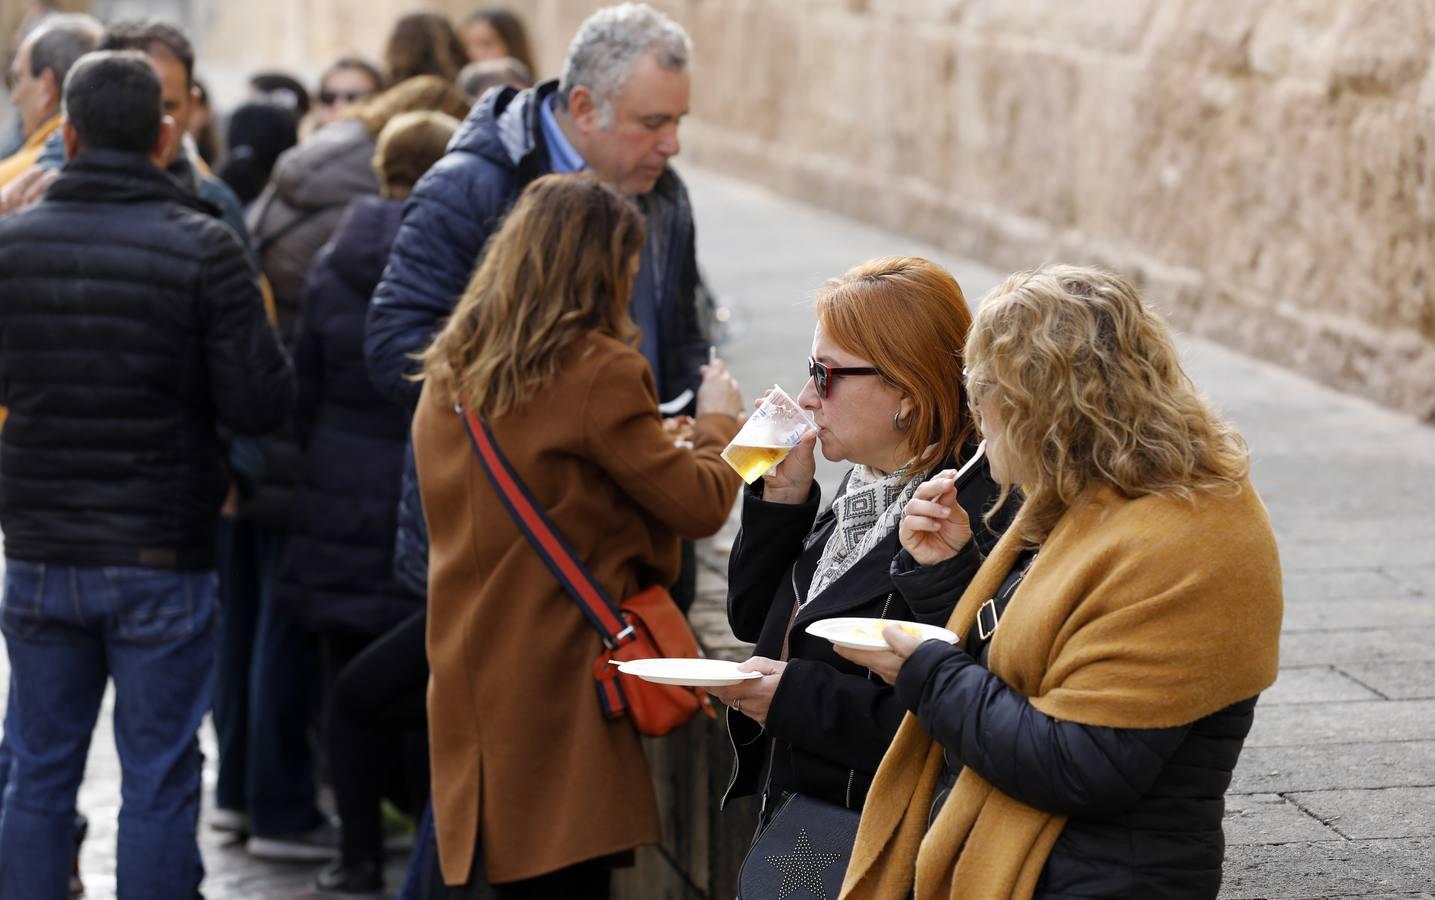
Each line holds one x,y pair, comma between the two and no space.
873,631
680,429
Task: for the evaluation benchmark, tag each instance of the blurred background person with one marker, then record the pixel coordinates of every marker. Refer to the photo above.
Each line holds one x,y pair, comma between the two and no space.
313,183
338,575
496,33
1080,739
424,43
347,81
541,347
204,127
259,131
259,714
283,89
36,80
478,77
170,52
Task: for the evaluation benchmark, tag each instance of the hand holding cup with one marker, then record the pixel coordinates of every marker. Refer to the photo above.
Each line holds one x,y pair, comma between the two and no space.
719,393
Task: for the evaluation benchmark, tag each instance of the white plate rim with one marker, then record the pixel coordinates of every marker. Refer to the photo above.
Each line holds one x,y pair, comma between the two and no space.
821,627
634,669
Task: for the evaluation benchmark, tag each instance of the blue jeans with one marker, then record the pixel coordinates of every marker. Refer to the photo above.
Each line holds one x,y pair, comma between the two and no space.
421,877
267,668
68,630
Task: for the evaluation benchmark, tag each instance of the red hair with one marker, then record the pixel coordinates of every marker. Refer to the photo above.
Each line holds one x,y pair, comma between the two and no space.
907,317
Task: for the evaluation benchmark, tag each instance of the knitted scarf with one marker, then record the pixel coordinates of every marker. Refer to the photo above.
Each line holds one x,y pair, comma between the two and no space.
867,512
1138,613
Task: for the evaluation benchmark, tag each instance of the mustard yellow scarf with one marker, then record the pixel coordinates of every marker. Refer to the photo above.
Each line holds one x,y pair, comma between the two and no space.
1144,613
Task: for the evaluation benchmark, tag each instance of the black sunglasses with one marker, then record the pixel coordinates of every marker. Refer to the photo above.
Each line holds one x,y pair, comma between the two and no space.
329,98
822,375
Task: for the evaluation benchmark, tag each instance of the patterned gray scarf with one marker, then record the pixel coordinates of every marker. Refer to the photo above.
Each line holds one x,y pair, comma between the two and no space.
867,512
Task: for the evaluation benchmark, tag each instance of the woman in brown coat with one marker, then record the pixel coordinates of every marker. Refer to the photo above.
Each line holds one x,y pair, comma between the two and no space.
532,786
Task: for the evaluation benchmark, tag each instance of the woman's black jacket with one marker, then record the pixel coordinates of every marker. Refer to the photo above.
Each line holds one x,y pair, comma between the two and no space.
338,568
830,721
1145,805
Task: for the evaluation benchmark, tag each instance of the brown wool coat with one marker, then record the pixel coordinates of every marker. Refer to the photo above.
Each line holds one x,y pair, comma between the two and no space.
521,752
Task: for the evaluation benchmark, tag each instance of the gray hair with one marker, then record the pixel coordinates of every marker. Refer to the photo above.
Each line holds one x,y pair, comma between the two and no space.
59,41
609,44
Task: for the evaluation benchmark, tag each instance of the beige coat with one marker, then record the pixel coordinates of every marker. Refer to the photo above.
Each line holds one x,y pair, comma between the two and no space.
521,752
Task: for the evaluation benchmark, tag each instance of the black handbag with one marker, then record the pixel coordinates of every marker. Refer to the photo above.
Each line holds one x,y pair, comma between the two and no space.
803,852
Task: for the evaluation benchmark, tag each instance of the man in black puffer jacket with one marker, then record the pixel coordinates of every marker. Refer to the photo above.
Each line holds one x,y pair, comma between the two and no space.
615,111
132,329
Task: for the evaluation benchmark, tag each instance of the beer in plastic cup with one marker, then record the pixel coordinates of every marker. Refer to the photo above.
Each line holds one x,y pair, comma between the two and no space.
767,436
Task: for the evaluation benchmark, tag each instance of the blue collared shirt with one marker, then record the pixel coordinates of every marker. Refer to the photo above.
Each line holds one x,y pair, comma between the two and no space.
565,160
561,155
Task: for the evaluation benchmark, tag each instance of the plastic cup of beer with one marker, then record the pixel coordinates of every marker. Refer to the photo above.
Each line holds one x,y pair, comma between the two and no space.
768,436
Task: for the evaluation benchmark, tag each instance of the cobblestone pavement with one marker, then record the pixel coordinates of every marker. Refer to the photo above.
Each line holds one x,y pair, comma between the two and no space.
1335,793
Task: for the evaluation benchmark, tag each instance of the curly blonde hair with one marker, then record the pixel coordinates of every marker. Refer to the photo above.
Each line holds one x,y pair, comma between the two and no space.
1091,390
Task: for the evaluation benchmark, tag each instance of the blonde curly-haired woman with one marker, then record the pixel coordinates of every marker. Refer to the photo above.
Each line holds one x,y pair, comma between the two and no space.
1080,739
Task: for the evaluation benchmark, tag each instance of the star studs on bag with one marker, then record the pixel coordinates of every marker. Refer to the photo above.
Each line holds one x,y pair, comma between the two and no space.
802,868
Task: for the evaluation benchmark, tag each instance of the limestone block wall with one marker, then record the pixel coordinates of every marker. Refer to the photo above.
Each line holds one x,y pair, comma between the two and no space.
1264,168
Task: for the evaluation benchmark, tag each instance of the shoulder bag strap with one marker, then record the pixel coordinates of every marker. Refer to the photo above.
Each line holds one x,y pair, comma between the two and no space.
600,610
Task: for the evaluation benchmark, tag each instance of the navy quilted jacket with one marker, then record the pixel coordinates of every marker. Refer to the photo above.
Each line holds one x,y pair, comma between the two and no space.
447,221
338,562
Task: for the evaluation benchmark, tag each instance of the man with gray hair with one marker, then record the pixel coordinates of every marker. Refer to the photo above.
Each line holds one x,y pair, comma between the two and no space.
615,111
35,81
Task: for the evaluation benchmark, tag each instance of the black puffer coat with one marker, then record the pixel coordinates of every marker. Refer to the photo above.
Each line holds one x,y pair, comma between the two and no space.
338,565
132,327
1145,805
830,721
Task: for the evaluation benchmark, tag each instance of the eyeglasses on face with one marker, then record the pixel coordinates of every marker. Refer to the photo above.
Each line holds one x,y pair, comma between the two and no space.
976,387
329,98
822,375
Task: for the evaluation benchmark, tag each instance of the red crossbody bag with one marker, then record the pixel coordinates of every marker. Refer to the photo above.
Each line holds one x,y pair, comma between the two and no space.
644,626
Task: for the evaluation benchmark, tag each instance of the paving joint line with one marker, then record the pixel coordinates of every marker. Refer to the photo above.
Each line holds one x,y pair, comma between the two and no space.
1374,690
1327,823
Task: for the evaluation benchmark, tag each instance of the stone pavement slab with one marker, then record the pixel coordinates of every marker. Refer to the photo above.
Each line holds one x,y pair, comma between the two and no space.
1343,722
1396,812
1315,684
1369,764
1315,870
1398,681
1272,819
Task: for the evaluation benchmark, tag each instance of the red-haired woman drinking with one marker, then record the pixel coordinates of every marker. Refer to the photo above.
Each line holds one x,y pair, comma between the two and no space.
885,390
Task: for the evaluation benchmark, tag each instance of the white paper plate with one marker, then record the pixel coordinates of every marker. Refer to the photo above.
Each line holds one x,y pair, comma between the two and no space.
687,672
866,634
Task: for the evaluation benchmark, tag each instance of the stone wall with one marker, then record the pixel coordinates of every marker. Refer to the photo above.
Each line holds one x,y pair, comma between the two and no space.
1264,169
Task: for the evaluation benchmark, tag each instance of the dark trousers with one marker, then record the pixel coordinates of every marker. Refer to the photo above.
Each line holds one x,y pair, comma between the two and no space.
588,880
266,670
377,735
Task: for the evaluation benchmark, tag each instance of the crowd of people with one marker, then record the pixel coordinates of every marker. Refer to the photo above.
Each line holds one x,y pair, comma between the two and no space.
251,364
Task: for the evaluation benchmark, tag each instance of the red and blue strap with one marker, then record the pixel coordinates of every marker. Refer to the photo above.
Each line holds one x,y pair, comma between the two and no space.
602,613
